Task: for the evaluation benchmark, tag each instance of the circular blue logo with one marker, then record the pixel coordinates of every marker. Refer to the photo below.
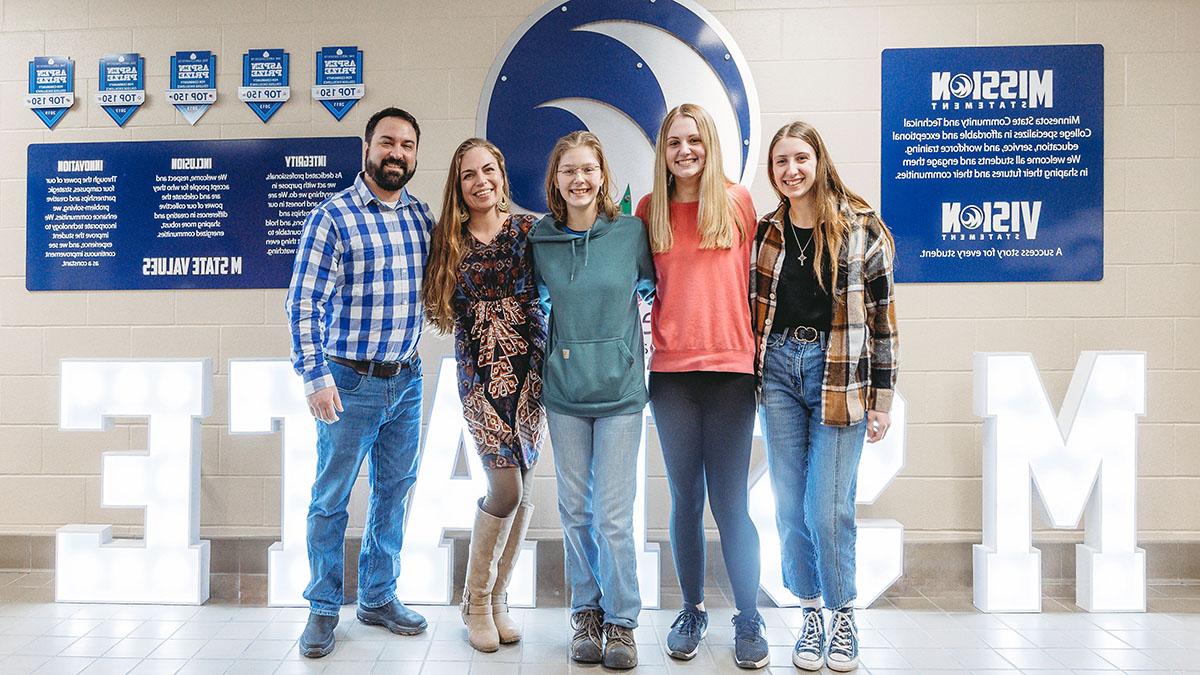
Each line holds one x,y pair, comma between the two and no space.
615,67
971,217
961,85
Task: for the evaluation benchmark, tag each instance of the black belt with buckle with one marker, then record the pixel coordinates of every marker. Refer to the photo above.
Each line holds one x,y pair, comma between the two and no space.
383,369
800,333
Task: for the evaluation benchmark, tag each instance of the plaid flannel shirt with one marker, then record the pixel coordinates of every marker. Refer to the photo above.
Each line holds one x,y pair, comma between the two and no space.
861,361
356,280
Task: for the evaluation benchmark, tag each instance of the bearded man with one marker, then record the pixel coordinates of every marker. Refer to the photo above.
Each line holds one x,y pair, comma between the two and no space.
355,318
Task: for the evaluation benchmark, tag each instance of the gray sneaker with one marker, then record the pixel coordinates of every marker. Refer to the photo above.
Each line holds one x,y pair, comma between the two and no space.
749,646
620,651
809,652
687,631
587,645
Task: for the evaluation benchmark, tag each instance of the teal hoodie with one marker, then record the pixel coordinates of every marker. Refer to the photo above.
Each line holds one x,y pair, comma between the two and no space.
594,364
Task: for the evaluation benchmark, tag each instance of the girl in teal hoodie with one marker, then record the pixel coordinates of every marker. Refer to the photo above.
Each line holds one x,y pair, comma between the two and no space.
593,263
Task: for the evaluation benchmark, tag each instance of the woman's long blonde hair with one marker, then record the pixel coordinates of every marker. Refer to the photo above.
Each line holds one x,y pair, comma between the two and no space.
828,193
448,244
716,216
554,199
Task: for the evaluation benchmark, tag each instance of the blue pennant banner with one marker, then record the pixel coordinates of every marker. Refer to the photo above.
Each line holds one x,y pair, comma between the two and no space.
122,85
51,88
265,81
339,79
193,83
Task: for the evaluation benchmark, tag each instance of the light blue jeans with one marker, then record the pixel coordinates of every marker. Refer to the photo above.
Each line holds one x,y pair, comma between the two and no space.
814,474
595,459
382,419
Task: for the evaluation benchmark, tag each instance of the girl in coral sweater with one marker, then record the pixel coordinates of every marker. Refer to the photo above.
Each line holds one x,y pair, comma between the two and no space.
702,385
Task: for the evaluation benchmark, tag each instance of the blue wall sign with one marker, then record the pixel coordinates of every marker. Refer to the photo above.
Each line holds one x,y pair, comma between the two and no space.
193,83
993,162
615,68
265,81
176,214
122,85
51,88
339,79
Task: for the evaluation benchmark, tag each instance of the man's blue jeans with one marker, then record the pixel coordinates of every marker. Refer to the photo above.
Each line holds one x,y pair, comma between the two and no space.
814,474
382,418
595,459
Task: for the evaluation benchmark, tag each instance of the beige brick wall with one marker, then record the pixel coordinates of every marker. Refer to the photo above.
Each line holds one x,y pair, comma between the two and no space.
816,63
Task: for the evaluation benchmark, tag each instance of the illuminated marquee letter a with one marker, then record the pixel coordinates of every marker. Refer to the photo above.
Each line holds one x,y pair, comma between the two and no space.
1084,460
171,564
440,502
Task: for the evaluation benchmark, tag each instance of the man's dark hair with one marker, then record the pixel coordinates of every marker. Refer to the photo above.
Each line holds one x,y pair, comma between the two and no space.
392,112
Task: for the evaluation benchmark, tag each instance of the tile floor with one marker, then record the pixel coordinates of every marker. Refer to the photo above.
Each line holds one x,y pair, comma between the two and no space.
899,634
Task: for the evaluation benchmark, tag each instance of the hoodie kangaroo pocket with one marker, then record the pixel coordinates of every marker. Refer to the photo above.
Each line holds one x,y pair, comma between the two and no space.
591,371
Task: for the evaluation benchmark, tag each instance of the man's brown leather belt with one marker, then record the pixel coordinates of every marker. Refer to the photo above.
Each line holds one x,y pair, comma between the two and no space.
374,368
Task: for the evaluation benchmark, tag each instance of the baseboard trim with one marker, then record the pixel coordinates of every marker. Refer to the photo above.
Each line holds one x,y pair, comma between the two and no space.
931,568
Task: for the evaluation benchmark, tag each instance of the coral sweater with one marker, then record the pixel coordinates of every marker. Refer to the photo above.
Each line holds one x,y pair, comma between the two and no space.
700,319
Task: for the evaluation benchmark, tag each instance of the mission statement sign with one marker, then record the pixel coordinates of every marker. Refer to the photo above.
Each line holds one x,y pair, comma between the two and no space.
993,162
176,214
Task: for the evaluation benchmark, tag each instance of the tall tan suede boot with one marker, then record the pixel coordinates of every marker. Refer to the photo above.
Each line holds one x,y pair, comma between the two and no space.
487,541
508,629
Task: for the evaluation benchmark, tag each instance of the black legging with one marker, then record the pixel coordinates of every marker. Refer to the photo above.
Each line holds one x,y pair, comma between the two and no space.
705,426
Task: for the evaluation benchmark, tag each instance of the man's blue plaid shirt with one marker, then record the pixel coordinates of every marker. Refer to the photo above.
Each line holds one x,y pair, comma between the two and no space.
355,290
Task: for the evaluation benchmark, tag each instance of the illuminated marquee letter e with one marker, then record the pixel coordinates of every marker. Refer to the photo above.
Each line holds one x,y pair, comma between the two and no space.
1083,461
171,564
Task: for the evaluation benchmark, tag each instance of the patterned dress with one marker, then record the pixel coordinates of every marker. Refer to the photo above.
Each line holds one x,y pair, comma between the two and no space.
499,344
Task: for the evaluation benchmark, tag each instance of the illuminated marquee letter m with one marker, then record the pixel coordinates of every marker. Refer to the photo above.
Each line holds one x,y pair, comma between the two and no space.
1084,460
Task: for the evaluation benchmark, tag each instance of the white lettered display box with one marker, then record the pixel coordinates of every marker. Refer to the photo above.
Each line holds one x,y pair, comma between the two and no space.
992,162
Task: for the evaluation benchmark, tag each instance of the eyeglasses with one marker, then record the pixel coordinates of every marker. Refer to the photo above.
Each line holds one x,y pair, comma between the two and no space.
588,171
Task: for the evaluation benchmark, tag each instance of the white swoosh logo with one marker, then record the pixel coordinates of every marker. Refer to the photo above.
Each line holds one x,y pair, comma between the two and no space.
685,77
630,154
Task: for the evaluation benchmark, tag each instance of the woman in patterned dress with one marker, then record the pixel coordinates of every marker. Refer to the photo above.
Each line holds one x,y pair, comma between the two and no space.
479,284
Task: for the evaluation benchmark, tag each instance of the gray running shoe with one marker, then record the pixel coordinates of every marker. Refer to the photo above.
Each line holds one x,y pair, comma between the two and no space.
749,645
687,631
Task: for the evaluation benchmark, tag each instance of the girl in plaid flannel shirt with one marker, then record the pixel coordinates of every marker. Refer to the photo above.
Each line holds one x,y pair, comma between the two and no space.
825,323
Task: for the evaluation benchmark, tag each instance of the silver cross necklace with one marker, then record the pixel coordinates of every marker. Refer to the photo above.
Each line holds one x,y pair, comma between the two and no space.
796,237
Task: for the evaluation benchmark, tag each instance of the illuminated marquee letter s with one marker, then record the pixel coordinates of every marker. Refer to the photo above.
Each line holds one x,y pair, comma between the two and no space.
171,564
1084,459
879,547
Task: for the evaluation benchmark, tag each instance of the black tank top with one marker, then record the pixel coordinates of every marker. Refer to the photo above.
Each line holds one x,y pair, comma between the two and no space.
799,298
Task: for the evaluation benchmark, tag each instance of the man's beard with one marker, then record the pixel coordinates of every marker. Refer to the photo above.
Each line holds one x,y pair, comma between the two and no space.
387,180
